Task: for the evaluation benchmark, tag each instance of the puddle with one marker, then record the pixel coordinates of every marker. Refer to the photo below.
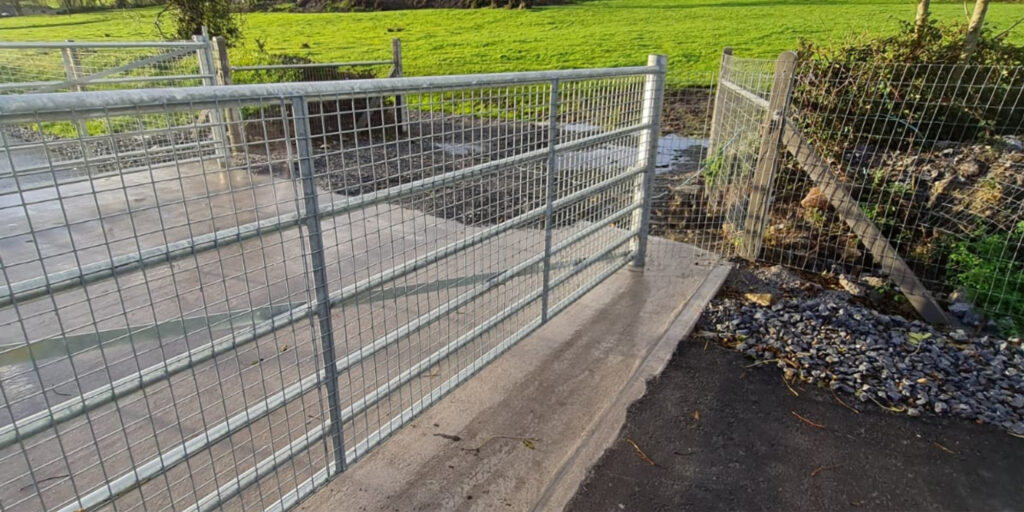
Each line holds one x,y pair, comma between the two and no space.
679,154
675,152
457,149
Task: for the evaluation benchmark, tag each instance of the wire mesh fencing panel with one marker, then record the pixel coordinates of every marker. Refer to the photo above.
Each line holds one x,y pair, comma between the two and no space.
931,157
102,144
70,66
708,156
206,333
308,64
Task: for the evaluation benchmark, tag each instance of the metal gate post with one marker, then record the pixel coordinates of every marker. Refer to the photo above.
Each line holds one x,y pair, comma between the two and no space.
549,209
207,69
718,111
311,218
647,153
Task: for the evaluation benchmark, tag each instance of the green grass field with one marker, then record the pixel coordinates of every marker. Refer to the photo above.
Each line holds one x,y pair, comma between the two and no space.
587,34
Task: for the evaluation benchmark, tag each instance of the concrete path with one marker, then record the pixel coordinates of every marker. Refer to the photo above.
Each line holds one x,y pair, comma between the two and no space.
521,434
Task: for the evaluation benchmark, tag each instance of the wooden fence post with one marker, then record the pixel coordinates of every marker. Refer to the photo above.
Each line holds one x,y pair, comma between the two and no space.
767,157
72,70
401,114
222,66
206,67
717,111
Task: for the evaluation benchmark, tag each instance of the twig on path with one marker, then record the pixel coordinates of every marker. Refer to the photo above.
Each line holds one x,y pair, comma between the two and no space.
640,453
807,421
791,390
842,403
943,448
819,469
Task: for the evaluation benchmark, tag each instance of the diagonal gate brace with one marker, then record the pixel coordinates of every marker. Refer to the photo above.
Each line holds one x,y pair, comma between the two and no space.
865,230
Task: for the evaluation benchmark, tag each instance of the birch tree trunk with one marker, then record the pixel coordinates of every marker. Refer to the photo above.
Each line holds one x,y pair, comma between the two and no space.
974,28
922,16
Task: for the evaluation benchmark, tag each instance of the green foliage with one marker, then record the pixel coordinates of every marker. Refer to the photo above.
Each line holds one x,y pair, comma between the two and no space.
188,17
986,267
865,94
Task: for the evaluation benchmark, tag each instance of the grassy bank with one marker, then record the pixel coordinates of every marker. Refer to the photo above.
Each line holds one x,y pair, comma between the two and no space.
592,33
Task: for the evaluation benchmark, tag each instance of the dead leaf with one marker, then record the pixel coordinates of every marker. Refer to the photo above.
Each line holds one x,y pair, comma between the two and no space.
696,415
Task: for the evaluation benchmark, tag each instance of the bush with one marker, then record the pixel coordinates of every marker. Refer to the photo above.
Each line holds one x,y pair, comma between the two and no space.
907,89
984,268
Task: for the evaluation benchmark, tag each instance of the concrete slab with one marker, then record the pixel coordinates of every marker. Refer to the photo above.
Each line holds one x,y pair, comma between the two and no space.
521,434
74,341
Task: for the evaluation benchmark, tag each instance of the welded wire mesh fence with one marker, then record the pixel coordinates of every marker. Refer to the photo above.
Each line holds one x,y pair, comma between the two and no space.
912,171
306,64
231,330
70,66
932,155
708,155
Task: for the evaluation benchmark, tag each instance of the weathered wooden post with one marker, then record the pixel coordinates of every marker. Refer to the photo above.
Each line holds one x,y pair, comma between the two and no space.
232,116
204,54
767,157
401,114
73,70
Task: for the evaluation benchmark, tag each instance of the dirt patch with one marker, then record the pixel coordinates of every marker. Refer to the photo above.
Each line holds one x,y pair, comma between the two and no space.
722,436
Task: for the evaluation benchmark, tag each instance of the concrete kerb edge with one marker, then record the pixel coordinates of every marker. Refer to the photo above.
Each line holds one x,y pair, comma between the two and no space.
602,432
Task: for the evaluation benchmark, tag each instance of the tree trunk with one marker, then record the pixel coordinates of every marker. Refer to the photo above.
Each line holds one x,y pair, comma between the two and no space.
974,28
922,16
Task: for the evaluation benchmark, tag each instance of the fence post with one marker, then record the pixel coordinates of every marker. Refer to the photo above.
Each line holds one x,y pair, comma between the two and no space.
222,67
647,153
767,157
72,70
549,210
401,114
311,218
717,111
206,67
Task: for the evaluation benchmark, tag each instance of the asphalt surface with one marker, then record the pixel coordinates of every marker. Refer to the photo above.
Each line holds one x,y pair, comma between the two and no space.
714,434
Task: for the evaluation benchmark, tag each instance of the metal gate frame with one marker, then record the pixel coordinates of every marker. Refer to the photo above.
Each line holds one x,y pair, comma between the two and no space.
36,108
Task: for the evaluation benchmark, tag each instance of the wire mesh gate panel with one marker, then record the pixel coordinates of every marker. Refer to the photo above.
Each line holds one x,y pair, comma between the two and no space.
197,334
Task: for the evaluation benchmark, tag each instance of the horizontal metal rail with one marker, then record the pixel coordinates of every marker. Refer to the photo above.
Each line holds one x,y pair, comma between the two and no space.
99,81
313,65
357,452
113,44
66,279
67,410
111,158
738,89
47,106
269,464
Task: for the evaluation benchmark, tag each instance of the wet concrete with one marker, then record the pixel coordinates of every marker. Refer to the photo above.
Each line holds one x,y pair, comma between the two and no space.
520,435
59,346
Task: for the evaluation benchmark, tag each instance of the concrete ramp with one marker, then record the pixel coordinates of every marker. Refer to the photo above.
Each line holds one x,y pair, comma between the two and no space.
521,434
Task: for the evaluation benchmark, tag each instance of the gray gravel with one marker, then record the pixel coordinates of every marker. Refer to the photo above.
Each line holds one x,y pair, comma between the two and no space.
907,366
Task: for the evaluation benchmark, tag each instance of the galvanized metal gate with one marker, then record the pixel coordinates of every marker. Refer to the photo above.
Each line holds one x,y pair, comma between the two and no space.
180,335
